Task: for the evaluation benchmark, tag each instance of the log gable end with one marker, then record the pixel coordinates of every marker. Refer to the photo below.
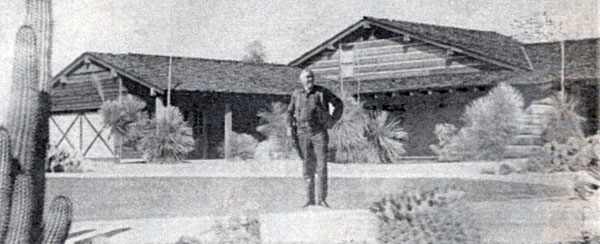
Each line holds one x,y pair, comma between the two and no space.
389,58
376,49
85,85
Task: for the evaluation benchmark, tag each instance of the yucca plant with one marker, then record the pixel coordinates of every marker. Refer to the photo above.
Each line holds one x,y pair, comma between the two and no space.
168,138
120,115
348,138
385,133
273,125
562,122
273,120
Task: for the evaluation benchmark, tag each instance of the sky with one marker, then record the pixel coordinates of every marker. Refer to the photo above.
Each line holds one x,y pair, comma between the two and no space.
287,29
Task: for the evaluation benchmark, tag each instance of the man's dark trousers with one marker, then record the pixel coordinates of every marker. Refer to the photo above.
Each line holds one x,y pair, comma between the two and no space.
314,149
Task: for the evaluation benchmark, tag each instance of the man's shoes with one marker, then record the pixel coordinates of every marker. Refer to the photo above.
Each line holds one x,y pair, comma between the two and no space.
323,203
309,203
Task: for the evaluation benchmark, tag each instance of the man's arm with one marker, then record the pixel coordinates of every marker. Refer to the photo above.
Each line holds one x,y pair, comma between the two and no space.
338,106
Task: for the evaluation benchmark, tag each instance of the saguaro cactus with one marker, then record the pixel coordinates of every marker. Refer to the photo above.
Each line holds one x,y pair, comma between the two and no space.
22,167
39,17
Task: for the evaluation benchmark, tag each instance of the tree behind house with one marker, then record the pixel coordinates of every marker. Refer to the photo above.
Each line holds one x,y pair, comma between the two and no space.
255,52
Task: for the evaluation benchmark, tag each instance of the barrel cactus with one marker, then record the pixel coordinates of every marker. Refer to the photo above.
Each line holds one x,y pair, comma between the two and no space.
22,156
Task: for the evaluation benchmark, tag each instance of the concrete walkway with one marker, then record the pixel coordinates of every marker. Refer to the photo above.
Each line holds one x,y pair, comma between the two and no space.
520,221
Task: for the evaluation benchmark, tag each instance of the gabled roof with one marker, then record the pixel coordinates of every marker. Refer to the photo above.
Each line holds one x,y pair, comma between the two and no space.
484,45
87,57
199,74
581,64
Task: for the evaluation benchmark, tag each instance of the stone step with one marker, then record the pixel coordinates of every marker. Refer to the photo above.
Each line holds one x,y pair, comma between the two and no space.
538,109
545,101
319,225
536,122
526,140
531,130
528,221
522,151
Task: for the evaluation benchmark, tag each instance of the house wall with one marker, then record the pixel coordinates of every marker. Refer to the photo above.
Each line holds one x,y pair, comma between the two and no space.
208,109
420,112
391,58
76,124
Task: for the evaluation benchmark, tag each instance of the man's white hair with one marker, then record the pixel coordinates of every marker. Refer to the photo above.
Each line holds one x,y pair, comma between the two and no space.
307,70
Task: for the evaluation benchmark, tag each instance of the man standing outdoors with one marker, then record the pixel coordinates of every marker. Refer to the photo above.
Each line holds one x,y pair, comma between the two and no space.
308,112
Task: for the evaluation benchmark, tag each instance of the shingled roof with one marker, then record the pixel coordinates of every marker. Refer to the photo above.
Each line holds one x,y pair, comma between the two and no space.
485,45
581,63
208,75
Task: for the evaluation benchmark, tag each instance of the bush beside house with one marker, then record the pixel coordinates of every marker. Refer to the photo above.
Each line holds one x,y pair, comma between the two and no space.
166,138
361,136
278,144
491,122
120,116
243,146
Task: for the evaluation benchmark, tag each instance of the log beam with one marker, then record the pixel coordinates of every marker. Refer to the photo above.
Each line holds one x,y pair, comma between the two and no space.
204,134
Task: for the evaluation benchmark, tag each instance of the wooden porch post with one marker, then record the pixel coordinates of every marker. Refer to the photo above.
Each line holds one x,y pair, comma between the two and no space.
81,132
204,134
158,105
228,130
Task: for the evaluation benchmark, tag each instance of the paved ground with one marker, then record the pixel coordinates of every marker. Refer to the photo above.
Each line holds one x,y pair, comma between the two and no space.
177,199
220,168
521,221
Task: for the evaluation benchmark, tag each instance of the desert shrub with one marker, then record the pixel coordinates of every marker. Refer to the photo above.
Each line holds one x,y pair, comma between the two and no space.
491,122
243,229
273,121
430,216
243,146
347,137
562,121
358,137
387,136
59,159
574,155
276,149
445,133
278,144
120,116
167,138
556,157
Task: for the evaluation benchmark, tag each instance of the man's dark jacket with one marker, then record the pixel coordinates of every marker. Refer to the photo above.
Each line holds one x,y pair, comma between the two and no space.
310,110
